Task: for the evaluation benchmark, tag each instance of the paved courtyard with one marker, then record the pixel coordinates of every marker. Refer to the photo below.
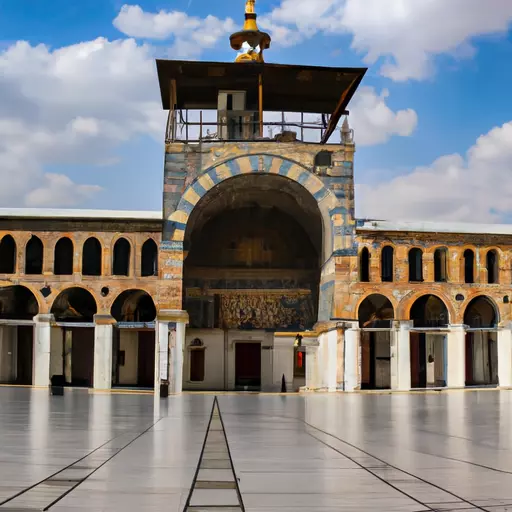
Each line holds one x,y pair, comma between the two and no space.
259,453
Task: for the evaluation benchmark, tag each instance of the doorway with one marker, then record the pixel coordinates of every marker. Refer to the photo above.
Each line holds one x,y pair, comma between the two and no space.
376,360
25,355
481,358
82,356
248,366
428,368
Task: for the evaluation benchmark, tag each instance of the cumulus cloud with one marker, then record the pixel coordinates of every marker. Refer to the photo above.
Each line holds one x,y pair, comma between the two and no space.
474,187
191,34
72,105
407,35
374,122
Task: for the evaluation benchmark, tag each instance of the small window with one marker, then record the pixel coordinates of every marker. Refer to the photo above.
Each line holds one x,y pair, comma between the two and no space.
469,266
364,266
492,267
387,264
121,264
441,265
63,261
323,159
149,259
415,265
34,256
91,257
197,365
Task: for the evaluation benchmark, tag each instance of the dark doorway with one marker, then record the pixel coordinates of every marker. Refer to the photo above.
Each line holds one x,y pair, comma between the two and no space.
121,263
25,355
7,255
91,258
418,360
248,366
82,357
63,263
34,256
375,360
146,370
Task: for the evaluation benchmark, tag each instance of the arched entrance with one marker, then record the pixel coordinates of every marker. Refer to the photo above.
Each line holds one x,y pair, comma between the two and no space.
481,318
428,342
376,315
253,246
72,341
18,307
133,355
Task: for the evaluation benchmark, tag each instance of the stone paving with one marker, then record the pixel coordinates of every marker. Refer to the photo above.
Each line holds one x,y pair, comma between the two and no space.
258,453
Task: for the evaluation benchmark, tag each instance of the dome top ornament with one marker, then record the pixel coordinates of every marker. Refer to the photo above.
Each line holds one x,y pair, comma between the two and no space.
250,35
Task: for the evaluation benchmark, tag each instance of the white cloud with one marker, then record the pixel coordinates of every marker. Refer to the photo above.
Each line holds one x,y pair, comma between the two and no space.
374,122
191,34
73,105
407,34
455,188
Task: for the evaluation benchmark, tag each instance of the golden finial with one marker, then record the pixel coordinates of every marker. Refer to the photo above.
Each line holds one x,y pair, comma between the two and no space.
251,35
249,7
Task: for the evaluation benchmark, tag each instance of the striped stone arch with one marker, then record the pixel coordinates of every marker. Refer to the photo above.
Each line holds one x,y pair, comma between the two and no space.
327,202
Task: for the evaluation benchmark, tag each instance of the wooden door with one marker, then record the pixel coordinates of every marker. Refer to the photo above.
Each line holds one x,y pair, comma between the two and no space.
248,365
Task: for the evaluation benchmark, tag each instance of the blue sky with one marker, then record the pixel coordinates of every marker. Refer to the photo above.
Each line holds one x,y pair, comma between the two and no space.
81,125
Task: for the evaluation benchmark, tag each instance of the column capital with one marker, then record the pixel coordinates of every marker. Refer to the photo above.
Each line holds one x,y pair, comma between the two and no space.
456,327
104,320
44,319
172,315
506,325
403,324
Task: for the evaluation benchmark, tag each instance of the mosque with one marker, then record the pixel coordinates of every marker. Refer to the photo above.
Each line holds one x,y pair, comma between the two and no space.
256,275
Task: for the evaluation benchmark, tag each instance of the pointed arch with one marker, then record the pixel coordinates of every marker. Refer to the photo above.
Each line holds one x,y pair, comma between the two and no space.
121,258
91,257
34,256
7,255
149,258
74,304
63,257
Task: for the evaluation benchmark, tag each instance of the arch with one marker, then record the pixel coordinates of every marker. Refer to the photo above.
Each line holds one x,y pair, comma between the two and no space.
63,257
416,265
323,159
481,312
328,204
121,258
469,266
74,304
7,255
34,255
387,264
374,311
441,265
91,257
133,306
18,303
149,258
429,311
364,265
492,261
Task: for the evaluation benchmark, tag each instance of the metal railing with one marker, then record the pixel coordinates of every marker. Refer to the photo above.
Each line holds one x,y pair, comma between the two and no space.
195,126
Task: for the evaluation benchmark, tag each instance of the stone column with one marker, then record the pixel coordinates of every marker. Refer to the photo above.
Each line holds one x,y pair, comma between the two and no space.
404,355
103,335
505,356
312,377
42,330
170,342
283,362
394,337
456,357
352,349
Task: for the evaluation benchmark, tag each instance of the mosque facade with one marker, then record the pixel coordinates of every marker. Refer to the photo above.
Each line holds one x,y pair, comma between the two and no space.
256,275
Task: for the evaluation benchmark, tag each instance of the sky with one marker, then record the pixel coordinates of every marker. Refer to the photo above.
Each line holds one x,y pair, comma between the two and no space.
82,125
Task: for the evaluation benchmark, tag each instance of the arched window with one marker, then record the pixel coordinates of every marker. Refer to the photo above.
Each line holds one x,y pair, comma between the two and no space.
469,266
364,266
34,256
91,257
441,265
63,261
492,267
323,159
149,263
7,255
416,265
386,264
121,264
